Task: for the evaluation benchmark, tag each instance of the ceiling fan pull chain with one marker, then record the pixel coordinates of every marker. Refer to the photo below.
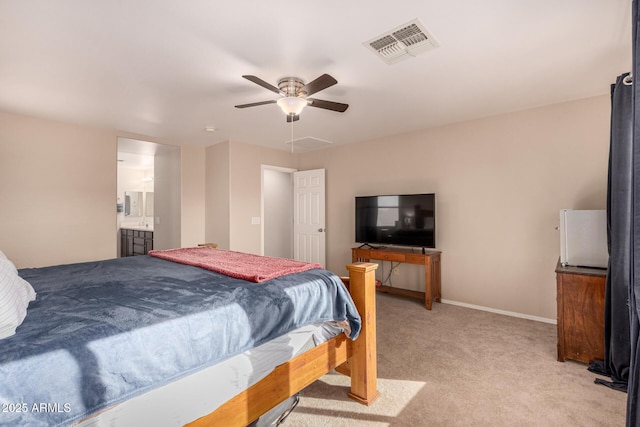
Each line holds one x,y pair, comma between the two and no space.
292,134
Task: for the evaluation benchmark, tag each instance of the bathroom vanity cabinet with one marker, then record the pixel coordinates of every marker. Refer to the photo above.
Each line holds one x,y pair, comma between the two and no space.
135,242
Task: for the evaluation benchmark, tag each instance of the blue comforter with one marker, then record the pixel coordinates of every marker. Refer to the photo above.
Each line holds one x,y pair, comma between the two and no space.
102,332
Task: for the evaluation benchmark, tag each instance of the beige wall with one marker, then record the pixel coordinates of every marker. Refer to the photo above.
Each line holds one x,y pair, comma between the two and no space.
499,182
58,192
233,193
245,180
217,195
167,206
193,195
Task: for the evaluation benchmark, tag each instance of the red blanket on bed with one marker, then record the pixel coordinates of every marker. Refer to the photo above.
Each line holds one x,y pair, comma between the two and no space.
254,268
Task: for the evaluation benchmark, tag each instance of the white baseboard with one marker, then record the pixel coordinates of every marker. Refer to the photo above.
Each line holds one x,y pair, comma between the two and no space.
506,313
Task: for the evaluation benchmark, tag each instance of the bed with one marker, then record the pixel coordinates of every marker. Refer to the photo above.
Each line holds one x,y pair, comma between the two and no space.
101,335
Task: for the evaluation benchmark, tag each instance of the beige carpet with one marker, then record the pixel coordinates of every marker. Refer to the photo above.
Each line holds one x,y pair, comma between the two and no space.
454,366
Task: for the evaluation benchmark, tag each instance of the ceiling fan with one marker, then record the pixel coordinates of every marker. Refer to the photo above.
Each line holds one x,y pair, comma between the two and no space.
294,95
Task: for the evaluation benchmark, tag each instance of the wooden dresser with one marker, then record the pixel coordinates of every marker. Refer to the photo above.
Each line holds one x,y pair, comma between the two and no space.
580,313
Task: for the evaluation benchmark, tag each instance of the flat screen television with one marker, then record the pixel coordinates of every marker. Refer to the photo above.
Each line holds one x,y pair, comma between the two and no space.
403,220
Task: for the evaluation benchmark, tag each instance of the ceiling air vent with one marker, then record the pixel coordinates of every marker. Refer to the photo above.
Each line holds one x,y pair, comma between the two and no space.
403,42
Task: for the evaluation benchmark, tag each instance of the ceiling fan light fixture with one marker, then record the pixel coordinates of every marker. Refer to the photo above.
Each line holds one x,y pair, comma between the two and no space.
292,105
294,95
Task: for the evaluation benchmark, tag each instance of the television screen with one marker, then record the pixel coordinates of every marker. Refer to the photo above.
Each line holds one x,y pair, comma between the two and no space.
404,220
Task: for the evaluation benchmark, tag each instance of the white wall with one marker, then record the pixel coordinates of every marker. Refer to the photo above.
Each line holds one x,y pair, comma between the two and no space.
499,182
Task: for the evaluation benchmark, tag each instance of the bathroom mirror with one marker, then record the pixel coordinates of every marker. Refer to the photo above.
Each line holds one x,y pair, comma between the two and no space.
133,203
138,203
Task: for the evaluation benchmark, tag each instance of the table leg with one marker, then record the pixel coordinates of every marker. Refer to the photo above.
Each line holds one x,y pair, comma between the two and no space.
428,291
436,276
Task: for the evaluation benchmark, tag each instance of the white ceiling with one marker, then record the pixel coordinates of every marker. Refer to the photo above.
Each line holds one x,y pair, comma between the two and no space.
170,68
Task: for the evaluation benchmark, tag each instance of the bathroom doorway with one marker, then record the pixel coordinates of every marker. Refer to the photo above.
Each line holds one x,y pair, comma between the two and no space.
148,194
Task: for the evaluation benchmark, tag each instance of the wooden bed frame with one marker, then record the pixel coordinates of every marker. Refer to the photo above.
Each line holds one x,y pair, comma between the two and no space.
354,358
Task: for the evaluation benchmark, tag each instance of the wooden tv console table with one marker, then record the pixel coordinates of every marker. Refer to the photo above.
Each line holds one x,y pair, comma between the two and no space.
430,260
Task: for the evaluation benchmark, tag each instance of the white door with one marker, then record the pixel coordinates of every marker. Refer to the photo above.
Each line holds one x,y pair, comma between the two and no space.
309,216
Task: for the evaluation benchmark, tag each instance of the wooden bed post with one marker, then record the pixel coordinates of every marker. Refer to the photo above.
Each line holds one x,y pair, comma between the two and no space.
363,363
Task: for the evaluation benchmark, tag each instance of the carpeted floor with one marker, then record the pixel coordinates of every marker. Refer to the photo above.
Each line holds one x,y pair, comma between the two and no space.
455,366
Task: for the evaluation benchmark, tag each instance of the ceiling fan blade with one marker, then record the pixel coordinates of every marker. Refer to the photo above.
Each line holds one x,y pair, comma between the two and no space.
328,105
260,82
255,104
321,83
294,119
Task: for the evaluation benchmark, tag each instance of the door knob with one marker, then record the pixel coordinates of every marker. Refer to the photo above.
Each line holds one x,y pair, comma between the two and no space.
320,230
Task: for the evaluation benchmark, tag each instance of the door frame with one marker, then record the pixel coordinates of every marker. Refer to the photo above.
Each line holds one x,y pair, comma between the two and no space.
167,185
262,193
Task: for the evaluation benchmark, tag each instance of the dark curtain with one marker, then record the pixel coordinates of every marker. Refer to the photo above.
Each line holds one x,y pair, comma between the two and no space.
617,342
617,339
633,416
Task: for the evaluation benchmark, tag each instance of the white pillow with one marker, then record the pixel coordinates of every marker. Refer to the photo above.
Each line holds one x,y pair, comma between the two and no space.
2,256
15,295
